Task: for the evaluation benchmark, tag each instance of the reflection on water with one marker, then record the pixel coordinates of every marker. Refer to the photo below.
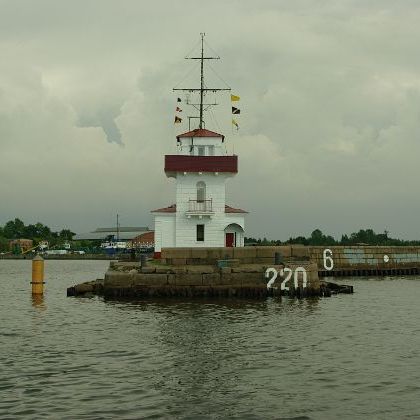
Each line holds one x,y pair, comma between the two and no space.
276,304
38,302
352,356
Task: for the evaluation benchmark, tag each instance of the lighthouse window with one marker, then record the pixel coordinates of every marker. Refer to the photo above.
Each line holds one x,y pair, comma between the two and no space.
201,150
200,233
201,192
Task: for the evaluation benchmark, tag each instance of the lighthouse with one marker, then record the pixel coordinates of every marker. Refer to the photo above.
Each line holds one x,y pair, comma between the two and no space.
201,216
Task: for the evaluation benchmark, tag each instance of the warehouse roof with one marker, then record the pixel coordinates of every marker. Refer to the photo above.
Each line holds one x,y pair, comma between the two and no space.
124,233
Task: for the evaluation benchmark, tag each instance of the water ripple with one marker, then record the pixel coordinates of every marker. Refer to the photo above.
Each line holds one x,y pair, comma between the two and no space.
346,357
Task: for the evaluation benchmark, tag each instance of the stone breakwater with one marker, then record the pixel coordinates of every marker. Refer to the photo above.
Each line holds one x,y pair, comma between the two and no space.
129,280
242,272
339,261
260,255
215,272
243,281
342,261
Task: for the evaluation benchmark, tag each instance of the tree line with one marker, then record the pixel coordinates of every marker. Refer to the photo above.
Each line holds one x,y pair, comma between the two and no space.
318,238
16,229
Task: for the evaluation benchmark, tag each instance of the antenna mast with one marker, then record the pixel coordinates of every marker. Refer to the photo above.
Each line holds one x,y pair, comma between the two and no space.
202,89
118,228
202,80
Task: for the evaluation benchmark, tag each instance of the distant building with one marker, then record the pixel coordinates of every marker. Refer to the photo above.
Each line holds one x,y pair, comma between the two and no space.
43,245
122,234
144,240
23,244
56,252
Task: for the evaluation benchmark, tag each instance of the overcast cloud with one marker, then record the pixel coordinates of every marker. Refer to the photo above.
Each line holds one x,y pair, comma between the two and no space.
330,100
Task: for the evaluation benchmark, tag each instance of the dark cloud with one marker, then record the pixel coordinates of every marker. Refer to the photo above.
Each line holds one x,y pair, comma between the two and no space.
106,120
330,100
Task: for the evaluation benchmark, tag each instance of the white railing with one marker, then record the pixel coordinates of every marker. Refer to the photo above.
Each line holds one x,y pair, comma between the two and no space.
200,206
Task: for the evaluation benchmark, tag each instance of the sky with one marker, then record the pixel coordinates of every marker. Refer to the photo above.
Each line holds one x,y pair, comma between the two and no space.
329,124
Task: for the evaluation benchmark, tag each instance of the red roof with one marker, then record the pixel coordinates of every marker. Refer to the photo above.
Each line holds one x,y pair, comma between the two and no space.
187,163
172,209
169,209
200,132
229,209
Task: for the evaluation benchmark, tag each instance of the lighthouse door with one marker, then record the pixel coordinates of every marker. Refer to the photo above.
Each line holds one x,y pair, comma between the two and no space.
230,239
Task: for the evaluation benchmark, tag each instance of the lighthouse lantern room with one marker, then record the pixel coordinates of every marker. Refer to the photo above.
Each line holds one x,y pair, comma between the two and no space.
201,167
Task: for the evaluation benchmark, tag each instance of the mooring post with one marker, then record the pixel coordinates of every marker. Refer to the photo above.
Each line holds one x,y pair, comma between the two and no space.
37,275
278,258
143,260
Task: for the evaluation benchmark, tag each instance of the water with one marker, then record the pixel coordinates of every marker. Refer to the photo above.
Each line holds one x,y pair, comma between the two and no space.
348,357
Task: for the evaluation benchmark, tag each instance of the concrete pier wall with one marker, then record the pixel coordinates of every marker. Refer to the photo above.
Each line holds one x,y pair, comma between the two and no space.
340,257
129,280
366,257
245,255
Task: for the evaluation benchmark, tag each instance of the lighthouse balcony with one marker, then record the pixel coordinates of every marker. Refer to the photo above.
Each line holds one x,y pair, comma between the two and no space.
200,208
185,163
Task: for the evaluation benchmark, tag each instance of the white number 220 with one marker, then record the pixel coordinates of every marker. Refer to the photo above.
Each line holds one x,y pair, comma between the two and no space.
289,271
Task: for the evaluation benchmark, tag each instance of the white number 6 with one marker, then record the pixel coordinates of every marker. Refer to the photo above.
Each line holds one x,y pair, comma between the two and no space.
328,261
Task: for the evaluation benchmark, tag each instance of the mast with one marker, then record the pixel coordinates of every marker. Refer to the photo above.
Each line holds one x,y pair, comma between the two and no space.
202,89
118,229
202,81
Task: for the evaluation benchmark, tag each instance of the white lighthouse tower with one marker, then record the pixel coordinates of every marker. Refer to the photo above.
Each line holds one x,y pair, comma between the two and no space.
200,217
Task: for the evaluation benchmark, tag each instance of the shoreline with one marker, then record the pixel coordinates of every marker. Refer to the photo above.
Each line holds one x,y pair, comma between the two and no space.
336,261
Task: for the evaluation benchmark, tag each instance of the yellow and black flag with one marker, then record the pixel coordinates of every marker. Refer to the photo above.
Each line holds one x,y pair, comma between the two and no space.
177,120
235,124
235,110
234,98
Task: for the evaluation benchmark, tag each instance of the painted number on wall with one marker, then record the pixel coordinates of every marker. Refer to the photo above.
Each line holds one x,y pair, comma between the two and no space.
288,272
328,261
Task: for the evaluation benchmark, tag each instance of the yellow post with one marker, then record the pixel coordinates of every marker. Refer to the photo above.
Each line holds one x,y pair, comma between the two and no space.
38,275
